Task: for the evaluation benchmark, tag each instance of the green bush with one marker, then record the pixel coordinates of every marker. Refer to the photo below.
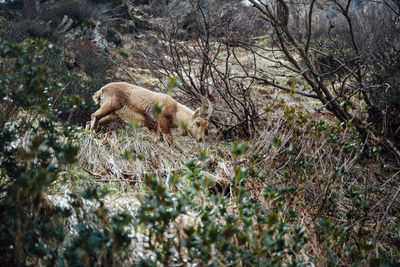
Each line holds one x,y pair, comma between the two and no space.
35,148
76,85
229,231
90,60
29,226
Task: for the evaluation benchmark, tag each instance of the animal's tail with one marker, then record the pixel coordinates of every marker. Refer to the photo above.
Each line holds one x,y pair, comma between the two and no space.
97,96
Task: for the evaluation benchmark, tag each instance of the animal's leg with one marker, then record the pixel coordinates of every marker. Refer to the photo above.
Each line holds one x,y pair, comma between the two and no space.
103,111
108,119
169,138
157,134
150,124
165,126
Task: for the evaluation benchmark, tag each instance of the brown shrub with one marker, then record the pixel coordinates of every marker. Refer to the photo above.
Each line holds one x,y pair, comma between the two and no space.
79,11
89,57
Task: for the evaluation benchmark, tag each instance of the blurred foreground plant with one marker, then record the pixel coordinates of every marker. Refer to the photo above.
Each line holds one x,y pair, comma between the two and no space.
34,148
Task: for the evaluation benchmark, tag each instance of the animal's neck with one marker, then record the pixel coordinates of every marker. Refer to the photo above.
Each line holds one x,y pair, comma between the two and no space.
183,114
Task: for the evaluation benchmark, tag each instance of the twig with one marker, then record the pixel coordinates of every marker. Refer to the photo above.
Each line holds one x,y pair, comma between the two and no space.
245,120
60,93
284,88
116,181
135,176
91,173
393,147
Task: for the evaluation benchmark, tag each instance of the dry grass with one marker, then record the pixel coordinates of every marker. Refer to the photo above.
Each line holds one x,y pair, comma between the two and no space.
331,181
101,158
101,155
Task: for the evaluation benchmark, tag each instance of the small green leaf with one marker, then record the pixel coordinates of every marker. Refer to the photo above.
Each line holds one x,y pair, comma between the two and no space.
276,142
172,83
156,109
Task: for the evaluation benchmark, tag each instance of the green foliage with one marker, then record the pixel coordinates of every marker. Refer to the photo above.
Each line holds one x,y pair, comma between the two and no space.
28,224
89,60
332,164
74,84
172,82
99,239
35,148
228,231
33,230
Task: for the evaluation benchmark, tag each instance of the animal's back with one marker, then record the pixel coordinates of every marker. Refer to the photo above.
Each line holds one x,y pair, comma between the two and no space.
137,101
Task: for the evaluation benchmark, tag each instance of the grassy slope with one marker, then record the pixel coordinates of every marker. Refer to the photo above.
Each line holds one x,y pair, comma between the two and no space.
284,146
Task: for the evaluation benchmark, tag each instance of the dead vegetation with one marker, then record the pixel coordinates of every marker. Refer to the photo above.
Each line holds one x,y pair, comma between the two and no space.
101,156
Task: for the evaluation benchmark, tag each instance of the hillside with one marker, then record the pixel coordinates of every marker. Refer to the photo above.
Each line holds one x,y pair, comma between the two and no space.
300,162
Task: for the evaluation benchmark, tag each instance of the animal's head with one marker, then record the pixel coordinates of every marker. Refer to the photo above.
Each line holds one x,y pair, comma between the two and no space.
199,121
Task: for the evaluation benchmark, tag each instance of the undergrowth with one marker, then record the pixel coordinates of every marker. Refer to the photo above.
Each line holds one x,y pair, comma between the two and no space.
306,191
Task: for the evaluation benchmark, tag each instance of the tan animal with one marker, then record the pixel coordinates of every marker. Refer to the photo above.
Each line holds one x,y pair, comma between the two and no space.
134,103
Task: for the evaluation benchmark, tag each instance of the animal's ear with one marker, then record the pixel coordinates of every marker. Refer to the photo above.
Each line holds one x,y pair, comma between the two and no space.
196,113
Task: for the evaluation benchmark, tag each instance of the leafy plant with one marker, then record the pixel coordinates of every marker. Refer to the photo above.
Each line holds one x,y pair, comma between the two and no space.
228,231
35,148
